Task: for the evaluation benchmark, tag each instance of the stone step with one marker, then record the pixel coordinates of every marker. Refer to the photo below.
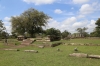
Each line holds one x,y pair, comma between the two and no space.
26,42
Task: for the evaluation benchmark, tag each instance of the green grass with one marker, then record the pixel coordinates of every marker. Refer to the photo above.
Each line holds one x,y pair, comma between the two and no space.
9,42
2,45
12,41
49,56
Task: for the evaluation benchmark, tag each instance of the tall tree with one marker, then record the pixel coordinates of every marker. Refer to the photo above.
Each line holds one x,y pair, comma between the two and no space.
30,21
1,26
3,33
97,29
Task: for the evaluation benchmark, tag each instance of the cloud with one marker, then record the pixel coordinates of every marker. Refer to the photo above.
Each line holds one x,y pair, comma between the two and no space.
91,26
58,11
53,23
80,24
86,9
7,19
7,24
96,6
8,28
80,1
70,20
80,16
89,8
71,24
39,2
58,25
64,25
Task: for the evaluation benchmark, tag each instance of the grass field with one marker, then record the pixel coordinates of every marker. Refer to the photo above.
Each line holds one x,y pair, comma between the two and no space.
49,56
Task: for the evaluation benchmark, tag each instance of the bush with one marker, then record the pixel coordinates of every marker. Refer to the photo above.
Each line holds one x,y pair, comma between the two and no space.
18,50
54,38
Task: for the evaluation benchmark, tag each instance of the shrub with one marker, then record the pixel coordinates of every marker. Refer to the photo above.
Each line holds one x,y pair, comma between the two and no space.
54,38
18,50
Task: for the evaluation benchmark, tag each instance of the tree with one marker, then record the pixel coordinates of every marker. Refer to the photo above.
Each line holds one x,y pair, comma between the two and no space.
13,35
53,31
54,34
82,31
97,29
31,21
93,34
1,26
3,33
18,25
65,34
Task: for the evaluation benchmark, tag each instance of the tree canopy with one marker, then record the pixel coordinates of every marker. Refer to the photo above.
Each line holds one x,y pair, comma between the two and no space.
54,34
1,26
53,31
3,33
96,32
97,29
31,21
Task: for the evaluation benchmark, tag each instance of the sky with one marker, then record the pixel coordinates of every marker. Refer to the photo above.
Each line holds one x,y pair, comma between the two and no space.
65,14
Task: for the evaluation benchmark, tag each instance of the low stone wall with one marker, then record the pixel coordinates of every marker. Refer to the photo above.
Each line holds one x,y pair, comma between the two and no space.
83,55
12,49
34,51
41,46
39,39
82,44
94,56
43,39
79,55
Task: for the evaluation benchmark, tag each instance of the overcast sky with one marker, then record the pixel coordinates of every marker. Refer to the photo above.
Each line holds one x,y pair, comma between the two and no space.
66,14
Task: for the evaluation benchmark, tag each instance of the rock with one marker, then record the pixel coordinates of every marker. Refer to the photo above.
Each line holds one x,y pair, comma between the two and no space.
58,49
94,56
75,49
72,43
41,46
34,51
83,55
11,49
